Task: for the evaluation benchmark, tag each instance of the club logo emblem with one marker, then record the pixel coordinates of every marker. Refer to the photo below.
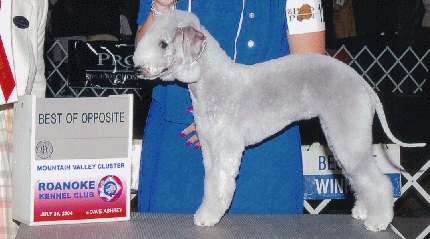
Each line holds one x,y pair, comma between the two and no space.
44,149
110,188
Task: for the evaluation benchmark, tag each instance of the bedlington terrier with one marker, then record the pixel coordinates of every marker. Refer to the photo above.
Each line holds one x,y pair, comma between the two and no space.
237,105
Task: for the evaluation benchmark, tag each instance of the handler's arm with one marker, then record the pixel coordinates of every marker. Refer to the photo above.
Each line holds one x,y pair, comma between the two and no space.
141,29
312,42
306,30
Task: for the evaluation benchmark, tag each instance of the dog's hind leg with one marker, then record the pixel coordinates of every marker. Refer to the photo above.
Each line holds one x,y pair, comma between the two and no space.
374,197
373,190
360,210
220,180
351,142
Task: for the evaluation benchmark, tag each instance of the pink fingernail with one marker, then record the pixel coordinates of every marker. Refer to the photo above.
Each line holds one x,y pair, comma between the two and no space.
196,146
182,134
190,109
189,143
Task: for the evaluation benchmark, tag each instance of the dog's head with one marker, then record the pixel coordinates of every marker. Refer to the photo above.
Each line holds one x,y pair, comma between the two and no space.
170,48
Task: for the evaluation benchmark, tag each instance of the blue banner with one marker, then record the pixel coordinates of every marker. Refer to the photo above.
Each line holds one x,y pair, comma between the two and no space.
335,186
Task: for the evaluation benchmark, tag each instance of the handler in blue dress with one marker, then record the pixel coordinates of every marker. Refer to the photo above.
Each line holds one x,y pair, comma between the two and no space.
270,178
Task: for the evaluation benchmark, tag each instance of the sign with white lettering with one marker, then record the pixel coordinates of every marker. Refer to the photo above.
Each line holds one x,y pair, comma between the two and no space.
72,160
102,64
323,177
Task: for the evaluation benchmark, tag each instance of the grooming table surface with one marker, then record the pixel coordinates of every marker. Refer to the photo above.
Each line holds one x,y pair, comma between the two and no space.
151,225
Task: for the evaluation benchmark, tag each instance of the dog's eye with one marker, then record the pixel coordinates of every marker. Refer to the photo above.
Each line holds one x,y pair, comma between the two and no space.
163,44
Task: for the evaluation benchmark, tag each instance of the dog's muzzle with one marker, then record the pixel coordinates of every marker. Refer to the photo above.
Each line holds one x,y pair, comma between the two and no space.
138,70
147,73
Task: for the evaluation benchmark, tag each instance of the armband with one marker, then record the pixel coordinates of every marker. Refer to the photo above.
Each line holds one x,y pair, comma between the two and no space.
304,16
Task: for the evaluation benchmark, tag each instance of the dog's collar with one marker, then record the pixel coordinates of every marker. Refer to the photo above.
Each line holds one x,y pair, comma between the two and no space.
201,53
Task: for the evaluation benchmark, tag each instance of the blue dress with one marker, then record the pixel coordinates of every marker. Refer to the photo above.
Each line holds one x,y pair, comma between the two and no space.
270,179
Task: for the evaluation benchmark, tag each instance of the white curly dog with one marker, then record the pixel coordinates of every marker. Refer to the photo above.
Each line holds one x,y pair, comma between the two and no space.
238,105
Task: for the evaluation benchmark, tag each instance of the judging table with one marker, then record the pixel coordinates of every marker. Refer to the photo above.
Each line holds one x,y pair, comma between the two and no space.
156,225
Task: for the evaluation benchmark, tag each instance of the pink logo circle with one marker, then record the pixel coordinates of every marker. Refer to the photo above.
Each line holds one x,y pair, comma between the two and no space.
110,188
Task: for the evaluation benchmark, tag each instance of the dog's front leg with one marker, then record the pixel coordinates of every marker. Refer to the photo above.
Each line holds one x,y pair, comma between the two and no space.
220,180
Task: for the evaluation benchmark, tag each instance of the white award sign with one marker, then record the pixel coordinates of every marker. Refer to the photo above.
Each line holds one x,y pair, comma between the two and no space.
72,159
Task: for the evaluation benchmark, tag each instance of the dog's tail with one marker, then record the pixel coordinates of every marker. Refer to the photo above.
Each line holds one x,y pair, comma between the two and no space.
381,114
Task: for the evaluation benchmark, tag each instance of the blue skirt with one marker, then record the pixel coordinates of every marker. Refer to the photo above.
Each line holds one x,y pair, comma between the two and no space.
171,179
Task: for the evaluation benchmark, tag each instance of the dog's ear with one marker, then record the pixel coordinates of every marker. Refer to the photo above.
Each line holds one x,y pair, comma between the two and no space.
193,42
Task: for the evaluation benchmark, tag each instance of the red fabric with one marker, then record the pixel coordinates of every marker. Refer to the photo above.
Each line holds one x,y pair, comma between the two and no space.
7,83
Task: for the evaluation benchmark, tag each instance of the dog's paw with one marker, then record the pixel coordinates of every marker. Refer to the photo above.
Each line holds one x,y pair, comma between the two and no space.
378,223
376,226
206,217
359,212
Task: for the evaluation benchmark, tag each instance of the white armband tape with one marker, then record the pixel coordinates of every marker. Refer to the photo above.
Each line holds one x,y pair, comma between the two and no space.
304,16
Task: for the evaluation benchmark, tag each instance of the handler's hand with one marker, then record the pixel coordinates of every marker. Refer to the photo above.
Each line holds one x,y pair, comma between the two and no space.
193,139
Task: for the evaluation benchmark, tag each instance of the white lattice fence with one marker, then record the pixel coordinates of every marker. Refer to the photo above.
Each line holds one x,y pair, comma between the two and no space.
398,68
387,67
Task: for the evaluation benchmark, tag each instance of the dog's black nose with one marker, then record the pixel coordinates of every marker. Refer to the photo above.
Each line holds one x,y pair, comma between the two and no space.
138,70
